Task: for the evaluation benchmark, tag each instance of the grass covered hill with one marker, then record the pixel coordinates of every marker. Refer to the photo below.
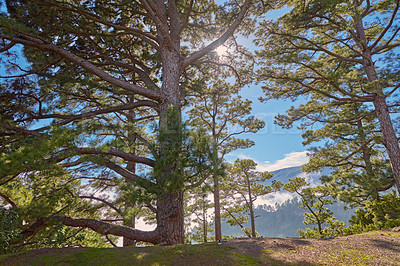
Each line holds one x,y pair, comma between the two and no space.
372,248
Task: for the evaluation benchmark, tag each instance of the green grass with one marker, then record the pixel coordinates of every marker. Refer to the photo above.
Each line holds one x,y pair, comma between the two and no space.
350,256
204,254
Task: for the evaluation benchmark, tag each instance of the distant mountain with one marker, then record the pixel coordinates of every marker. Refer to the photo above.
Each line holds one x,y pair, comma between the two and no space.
285,174
283,220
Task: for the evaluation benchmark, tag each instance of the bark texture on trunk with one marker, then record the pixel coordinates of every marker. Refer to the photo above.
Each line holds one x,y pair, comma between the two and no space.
170,208
381,108
205,224
389,136
170,218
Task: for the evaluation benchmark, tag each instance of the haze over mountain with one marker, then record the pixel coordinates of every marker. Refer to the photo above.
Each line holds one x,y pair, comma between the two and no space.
278,214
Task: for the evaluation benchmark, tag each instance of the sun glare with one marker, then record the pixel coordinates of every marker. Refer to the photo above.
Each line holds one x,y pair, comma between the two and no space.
222,50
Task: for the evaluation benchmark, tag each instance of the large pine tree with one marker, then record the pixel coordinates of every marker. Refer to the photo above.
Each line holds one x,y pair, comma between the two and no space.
97,59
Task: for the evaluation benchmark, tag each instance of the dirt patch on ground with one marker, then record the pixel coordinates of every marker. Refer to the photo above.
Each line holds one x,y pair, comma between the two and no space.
373,248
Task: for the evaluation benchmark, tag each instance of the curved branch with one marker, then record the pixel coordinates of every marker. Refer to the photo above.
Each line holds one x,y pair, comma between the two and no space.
147,37
34,41
105,202
32,72
70,118
22,131
387,27
8,46
72,164
117,153
128,175
100,227
8,199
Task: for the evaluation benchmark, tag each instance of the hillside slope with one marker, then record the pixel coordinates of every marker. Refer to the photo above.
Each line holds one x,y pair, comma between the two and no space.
373,248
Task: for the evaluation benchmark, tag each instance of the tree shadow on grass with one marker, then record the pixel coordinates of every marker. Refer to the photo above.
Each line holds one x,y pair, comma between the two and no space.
390,245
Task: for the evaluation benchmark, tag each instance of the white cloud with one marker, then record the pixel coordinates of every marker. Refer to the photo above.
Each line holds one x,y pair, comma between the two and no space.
244,156
290,160
271,199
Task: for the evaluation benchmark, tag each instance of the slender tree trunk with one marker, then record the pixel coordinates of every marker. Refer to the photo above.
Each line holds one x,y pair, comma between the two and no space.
217,203
131,166
217,210
366,152
382,112
253,224
204,219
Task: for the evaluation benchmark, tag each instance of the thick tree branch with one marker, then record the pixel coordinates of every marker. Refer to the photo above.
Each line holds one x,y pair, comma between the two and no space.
33,41
22,131
70,118
158,15
97,226
117,153
72,164
109,204
8,47
187,15
8,199
128,175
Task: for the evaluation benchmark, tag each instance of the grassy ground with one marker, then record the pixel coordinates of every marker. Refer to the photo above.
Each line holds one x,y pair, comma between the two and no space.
374,248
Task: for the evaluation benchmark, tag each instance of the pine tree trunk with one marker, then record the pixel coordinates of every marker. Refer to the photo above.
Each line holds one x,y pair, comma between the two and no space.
131,166
170,218
217,210
170,207
389,136
204,210
253,224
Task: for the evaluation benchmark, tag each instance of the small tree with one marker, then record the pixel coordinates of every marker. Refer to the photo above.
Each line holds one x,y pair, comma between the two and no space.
315,200
352,147
376,215
220,110
241,188
198,207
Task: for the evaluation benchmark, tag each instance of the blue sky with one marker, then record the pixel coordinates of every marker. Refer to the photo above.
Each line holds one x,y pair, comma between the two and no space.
274,148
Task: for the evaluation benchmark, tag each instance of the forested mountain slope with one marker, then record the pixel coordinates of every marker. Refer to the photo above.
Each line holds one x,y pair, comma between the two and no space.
284,219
